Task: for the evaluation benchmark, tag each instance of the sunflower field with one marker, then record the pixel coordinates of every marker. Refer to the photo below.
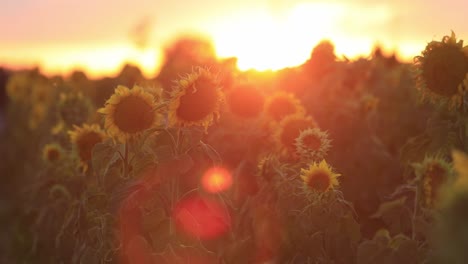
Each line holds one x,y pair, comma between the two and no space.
336,161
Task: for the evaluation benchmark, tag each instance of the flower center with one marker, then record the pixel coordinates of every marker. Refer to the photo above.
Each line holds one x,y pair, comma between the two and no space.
311,142
133,114
444,68
53,155
199,101
86,143
319,181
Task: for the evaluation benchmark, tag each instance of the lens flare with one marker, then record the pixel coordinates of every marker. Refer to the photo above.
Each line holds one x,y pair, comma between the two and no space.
201,217
216,180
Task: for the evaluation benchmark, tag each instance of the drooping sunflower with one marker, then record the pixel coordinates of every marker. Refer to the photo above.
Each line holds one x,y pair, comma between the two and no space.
312,144
84,138
52,153
442,69
282,104
245,101
433,173
319,177
290,128
128,112
196,99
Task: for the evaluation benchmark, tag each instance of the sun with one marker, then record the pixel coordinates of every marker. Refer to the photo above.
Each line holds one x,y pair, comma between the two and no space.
262,40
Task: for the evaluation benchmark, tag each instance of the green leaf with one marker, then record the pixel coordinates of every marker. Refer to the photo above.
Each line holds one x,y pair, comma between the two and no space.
395,214
184,163
163,152
371,252
104,154
142,161
211,152
351,228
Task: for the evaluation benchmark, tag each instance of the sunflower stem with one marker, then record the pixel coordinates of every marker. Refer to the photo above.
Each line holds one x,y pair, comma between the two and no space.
178,148
463,124
415,211
126,159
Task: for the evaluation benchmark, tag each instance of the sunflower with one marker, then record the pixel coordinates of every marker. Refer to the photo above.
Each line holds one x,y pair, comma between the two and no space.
84,138
320,177
460,165
74,108
52,153
442,68
282,104
18,87
266,167
196,100
128,112
42,91
312,144
432,173
37,115
290,128
245,101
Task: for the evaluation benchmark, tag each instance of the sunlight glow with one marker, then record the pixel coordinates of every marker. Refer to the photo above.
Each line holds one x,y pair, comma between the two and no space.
264,41
216,180
202,217
262,37
96,61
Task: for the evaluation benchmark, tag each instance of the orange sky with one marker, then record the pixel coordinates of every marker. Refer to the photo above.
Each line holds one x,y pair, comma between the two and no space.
61,35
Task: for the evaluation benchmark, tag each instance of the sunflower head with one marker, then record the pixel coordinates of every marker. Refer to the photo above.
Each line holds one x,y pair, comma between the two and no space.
74,108
196,99
433,173
84,138
128,112
18,87
281,104
442,68
52,153
245,101
37,115
320,177
42,91
290,129
312,144
266,167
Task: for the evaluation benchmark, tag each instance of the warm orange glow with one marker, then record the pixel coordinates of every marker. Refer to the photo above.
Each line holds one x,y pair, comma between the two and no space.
201,217
96,60
263,41
216,180
263,35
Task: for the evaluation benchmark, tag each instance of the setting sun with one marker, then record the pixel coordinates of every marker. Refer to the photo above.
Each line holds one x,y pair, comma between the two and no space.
266,40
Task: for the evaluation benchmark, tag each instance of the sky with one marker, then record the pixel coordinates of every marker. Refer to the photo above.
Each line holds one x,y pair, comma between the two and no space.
100,36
